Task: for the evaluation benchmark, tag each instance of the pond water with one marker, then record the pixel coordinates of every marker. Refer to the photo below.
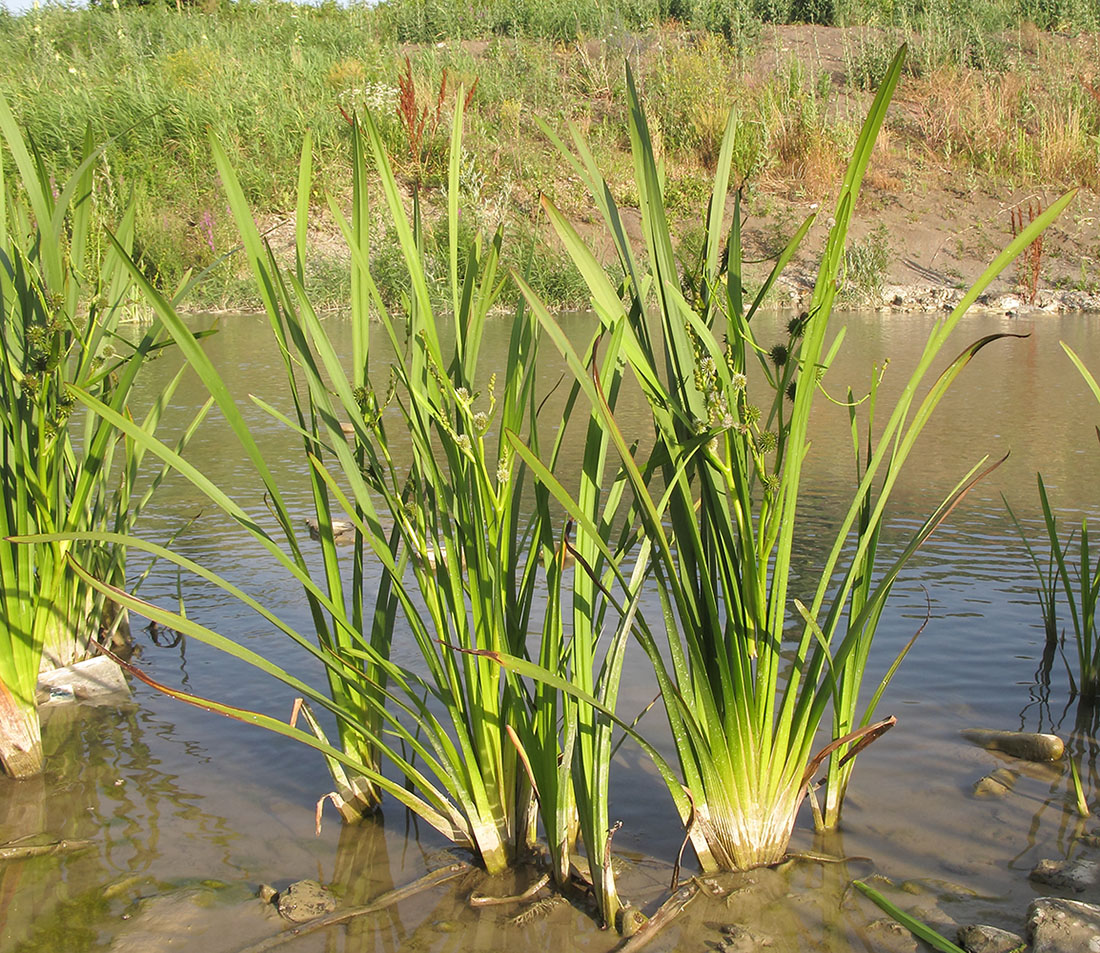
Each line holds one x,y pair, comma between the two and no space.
188,812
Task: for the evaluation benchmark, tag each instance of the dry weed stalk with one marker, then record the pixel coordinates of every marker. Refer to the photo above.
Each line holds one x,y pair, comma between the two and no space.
1029,264
418,118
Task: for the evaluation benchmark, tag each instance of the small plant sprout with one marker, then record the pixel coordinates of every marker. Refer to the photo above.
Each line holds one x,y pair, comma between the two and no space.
1074,581
920,930
1078,790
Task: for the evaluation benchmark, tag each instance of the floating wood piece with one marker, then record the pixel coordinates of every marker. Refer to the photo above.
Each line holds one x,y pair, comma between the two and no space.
1027,745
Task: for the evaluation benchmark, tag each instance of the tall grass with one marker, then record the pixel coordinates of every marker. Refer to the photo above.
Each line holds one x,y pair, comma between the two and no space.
745,688
63,297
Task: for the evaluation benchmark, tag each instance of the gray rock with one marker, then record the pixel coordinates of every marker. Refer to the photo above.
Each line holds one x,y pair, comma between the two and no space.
979,938
95,680
1063,926
305,899
1077,875
1027,745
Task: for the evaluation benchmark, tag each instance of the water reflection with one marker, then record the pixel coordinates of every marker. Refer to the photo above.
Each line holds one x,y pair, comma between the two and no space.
104,784
202,800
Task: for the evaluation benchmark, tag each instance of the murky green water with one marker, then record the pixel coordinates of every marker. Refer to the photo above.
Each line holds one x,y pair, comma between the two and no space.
188,812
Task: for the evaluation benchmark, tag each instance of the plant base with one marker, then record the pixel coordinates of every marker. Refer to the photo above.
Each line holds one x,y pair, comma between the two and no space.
20,738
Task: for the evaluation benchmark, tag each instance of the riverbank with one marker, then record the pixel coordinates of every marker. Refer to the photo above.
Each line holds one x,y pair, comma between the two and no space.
994,117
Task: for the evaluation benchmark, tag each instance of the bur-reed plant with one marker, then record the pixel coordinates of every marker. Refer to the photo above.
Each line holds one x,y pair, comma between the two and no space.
745,691
436,498
1070,580
63,298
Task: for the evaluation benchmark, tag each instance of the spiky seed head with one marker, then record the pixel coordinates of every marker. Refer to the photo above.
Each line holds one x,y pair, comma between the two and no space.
791,390
779,354
767,441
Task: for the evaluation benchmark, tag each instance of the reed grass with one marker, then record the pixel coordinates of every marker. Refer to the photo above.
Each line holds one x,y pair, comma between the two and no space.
64,298
718,497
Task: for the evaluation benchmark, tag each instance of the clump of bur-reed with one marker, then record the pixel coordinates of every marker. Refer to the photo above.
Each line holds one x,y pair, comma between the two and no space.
439,499
743,701
65,296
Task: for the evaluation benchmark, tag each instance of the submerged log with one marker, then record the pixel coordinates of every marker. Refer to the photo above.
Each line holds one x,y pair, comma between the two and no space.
17,851
90,680
1029,746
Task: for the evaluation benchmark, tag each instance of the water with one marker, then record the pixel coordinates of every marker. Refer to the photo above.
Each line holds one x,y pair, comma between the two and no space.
188,812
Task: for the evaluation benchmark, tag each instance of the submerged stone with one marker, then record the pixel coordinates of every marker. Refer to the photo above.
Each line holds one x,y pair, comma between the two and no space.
891,937
996,785
1055,925
737,939
1030,746
304,900
979,938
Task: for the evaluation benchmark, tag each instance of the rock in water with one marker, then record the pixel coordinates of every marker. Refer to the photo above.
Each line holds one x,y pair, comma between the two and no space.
1027,745
305,899
1063,926
978,938
1076,875
342,530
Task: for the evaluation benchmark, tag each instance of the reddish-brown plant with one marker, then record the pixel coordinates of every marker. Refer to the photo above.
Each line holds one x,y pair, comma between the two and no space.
1030,262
